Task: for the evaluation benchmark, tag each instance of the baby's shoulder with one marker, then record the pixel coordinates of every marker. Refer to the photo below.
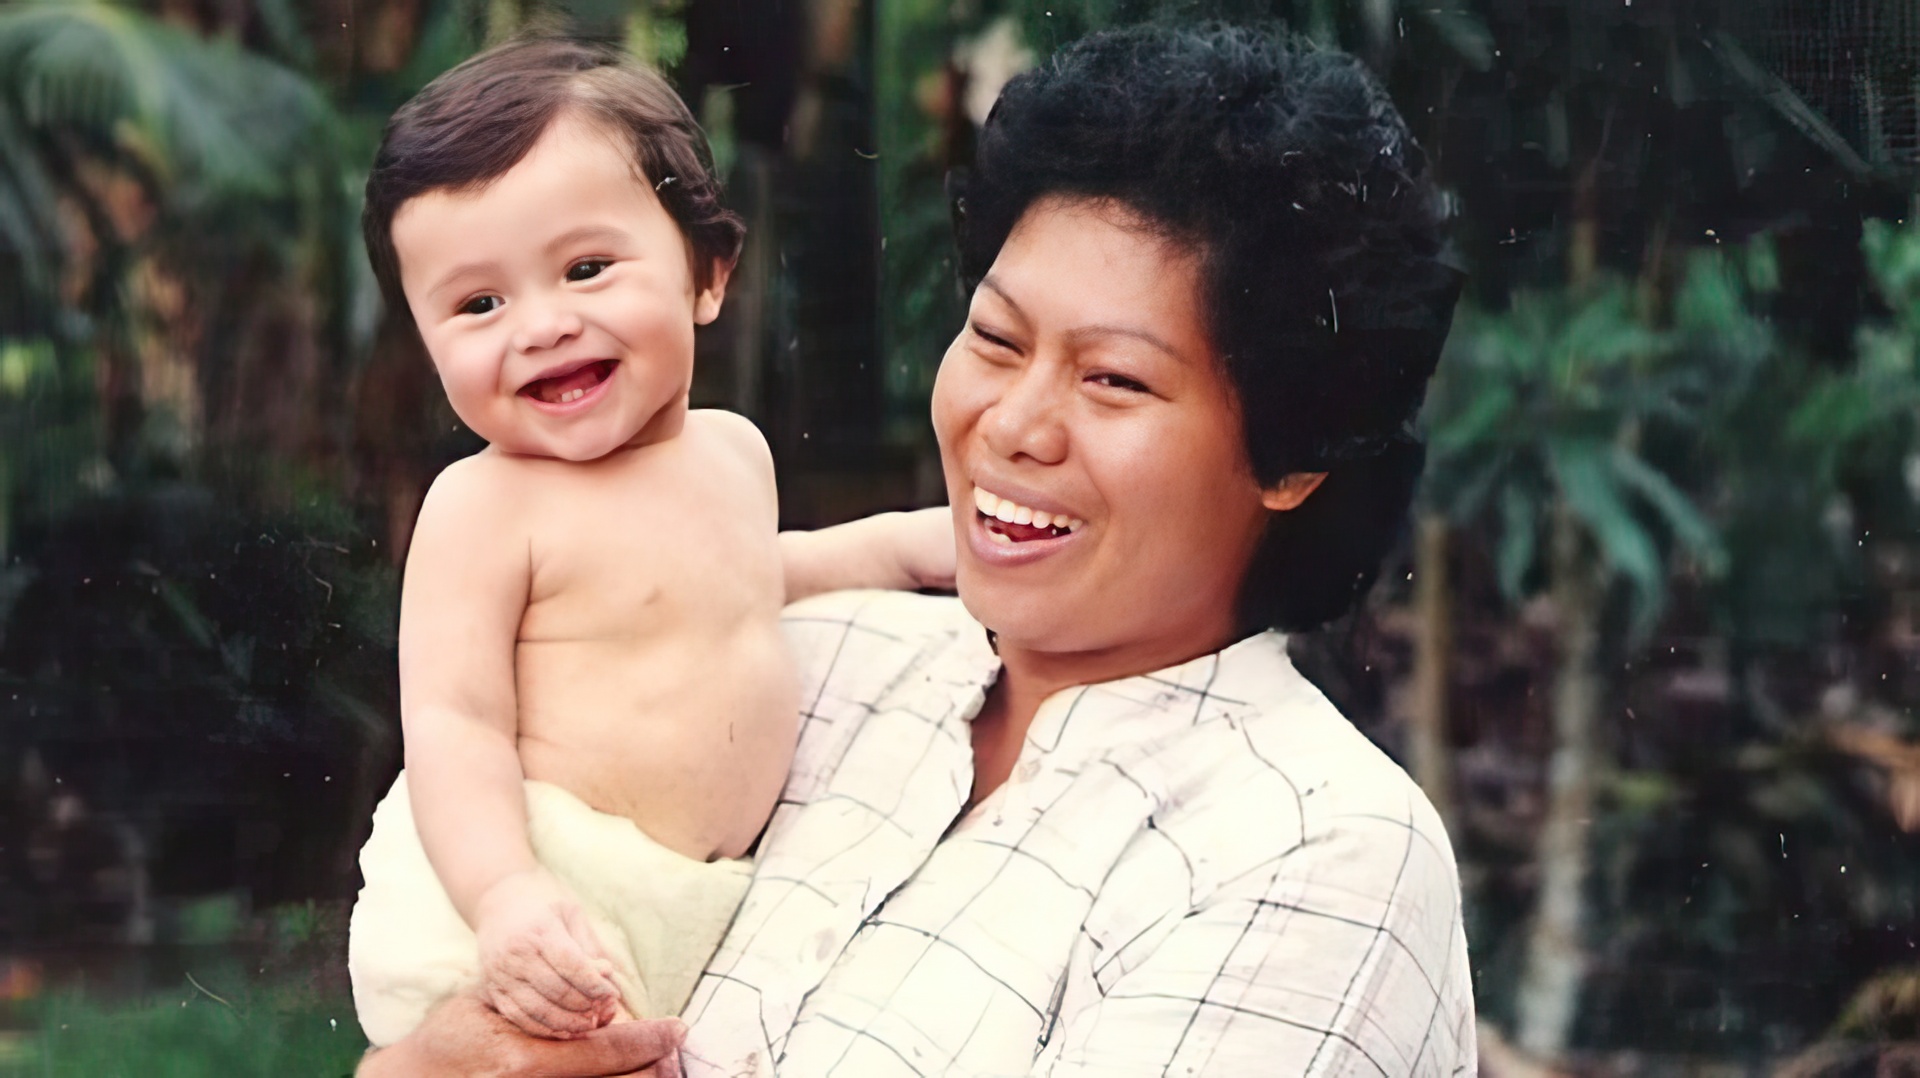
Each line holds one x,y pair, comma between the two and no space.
477,486
730,432
731,457
474,509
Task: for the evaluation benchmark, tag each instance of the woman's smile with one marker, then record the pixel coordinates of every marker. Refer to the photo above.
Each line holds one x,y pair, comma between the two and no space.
1008,518
1006,533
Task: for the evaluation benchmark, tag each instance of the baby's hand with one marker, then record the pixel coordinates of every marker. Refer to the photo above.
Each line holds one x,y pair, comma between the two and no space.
541,966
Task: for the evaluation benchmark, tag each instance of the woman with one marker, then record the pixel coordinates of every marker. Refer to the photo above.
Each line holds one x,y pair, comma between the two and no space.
1115,832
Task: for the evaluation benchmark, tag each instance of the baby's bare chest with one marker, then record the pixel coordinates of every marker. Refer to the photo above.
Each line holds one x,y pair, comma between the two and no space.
629,556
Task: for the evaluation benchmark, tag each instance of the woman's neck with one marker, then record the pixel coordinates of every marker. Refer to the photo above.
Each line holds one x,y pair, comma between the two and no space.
1029,676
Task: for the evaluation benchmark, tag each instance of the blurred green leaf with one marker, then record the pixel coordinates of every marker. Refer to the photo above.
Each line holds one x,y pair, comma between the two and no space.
1584,471
1519,533
1675,509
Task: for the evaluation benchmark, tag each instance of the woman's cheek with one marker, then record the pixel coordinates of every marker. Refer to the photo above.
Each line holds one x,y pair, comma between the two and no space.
948,383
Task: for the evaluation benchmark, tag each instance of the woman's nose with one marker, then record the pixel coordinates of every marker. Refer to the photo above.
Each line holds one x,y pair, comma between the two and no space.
543,325
1026,420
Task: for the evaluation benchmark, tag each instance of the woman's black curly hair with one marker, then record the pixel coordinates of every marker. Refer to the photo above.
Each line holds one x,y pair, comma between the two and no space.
1287,168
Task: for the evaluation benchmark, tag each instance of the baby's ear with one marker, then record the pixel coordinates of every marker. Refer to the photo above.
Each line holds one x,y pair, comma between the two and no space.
706,301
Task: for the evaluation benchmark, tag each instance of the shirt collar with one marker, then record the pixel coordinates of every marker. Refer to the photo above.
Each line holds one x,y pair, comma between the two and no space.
1251,670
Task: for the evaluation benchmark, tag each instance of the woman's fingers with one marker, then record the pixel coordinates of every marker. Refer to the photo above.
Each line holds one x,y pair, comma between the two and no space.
648,1048
470,1035
668,1067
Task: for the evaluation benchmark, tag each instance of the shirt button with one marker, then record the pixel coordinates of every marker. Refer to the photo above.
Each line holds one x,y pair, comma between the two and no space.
823,945
1028,770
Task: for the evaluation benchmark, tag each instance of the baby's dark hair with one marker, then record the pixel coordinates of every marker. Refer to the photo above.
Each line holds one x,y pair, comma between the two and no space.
475,122
1287,169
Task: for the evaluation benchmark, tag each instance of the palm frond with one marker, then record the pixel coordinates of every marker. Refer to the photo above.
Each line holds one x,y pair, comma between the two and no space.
204,114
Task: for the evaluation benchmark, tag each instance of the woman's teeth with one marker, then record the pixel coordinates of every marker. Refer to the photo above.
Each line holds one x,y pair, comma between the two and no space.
1011,512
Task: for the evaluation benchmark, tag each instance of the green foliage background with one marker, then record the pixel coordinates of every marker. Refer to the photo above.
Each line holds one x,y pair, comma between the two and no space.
1676,415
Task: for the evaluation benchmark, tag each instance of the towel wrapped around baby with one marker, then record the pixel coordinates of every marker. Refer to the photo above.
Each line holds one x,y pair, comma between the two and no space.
659,914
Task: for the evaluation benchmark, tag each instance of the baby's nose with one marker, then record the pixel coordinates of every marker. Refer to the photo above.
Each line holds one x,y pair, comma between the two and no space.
544,326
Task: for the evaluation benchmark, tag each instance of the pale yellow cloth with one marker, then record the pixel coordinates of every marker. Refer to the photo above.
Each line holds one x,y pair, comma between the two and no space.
659,914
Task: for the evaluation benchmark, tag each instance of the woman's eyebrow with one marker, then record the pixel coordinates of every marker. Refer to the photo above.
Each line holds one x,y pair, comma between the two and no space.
989,283
1081,334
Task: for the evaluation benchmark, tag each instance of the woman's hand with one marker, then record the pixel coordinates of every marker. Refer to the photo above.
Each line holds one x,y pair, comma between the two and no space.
541,965
465,1038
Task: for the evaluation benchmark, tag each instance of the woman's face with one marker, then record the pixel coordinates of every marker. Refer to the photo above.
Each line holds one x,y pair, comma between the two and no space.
1083,400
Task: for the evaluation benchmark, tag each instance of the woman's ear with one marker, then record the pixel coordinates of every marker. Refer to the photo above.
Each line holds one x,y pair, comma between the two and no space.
706,301
1291,490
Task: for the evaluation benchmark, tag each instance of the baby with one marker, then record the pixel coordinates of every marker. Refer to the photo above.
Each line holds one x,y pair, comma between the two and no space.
598,708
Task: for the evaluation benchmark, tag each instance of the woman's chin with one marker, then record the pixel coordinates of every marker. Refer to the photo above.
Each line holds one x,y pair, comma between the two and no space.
1019,615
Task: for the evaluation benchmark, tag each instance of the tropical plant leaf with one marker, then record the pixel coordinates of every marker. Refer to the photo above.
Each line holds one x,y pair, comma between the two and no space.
1491,406
1836,410
1583,472
202,112
1676,510
1893,257
1519,538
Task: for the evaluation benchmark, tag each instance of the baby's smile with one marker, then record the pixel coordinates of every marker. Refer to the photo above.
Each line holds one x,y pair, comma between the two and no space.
570,382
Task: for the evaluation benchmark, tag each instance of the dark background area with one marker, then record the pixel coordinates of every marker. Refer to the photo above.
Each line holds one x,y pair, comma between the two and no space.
1651,645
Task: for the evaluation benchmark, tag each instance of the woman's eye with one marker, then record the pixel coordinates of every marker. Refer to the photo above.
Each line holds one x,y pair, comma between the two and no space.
997,342
480,305
587,270
1117,381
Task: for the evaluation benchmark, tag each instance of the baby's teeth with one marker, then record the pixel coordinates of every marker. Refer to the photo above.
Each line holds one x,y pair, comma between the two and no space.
1042,519
1023,515
984,501
1001,538
1074,524
1006,511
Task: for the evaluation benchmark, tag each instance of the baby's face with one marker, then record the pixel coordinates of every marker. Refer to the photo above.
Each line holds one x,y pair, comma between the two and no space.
558,302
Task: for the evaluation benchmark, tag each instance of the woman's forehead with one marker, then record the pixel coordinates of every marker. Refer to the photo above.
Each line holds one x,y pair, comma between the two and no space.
1074,263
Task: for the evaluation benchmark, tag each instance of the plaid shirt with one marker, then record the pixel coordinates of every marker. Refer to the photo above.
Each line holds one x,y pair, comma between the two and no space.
1202,871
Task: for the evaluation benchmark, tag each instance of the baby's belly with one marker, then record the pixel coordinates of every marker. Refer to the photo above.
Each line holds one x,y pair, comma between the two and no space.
689,738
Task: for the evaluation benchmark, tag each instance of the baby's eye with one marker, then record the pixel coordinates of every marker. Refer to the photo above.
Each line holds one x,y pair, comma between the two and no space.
586,269
480,305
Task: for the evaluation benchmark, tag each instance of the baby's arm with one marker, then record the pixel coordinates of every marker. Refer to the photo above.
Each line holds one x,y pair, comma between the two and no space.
887,550
903,551
467,580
